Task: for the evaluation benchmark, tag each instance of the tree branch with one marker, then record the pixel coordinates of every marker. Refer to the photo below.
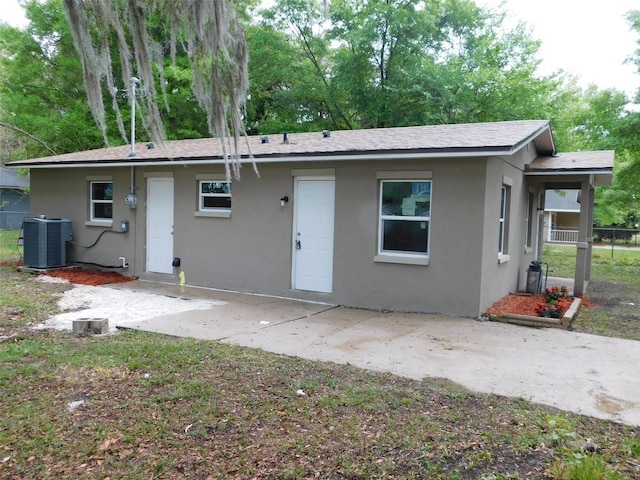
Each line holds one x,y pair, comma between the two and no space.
32,137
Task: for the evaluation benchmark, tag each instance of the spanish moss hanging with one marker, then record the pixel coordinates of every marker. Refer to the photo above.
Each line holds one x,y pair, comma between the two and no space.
209,32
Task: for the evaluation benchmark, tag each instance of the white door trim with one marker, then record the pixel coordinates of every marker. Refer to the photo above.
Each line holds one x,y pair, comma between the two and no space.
159,238
324,282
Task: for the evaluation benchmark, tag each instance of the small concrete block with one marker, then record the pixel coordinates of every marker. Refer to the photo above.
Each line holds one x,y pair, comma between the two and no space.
91,326
80,327
99,326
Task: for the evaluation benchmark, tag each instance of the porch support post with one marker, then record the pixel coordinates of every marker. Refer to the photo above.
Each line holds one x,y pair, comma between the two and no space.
592,200
583,251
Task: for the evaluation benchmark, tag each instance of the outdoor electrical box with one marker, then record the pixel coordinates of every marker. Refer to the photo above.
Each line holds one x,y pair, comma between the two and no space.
131,201
124,226
45,242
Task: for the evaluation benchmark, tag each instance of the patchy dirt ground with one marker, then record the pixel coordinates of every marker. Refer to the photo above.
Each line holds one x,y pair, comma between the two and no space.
614,311
157,407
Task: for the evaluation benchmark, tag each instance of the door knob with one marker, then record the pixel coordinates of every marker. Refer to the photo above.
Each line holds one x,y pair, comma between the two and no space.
298,245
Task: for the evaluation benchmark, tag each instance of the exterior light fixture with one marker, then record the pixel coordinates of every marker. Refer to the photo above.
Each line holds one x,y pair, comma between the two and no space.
284,200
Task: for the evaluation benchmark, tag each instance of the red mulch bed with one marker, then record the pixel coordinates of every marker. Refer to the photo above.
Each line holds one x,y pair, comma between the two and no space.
10,264
81,276
525,304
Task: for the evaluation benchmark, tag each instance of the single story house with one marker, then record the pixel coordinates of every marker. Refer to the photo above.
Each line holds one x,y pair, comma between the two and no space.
440,219
14,199
561,216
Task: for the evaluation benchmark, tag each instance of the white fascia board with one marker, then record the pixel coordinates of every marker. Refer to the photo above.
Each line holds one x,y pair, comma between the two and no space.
266,160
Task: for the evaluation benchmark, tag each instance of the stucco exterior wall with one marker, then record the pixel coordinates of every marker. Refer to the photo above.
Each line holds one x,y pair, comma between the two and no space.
251,251
64,193
506,273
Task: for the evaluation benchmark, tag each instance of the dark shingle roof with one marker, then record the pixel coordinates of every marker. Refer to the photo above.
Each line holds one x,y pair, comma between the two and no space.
598,160
498,138
598,164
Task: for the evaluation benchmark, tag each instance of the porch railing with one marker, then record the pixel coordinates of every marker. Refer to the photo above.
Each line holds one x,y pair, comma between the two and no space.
562,235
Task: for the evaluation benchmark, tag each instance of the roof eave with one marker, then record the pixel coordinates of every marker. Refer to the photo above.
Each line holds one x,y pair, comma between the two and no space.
289,158
602,177
543,133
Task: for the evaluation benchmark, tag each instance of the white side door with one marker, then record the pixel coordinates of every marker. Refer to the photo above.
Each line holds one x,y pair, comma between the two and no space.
313,234
160,225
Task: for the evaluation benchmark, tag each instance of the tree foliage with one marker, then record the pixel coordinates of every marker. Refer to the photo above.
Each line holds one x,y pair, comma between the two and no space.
210,35
312,66
41,91
405,62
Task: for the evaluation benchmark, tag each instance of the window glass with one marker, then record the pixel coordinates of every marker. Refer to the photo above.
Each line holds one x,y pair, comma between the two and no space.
529,223
405,211
215,195
503,225
404,236
101,191
215,187
101,200
406,198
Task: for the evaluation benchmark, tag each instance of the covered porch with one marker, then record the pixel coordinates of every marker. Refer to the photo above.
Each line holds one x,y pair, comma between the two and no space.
581,171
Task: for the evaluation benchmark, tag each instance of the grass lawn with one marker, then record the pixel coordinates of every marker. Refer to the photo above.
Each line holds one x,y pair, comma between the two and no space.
9,250
618,265
614,289
138,405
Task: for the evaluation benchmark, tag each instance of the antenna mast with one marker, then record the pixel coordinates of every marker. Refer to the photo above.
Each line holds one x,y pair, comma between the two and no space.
134,82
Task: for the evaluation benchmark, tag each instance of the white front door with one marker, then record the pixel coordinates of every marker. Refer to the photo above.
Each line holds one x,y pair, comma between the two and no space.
313,234
160,225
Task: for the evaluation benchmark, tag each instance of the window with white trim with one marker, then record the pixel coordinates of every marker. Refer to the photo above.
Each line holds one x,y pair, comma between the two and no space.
101,201
503,237
529,222
214,196
405,217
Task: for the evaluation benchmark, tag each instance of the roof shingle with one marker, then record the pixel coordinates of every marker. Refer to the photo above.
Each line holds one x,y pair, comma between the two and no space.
598,160
489,138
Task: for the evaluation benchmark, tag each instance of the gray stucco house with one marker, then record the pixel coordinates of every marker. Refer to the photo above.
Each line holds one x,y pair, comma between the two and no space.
441,219
14,199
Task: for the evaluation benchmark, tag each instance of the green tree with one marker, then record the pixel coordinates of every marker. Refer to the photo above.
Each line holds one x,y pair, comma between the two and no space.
409,62
286,94
303,61
393,63
608,123
43,101
41,91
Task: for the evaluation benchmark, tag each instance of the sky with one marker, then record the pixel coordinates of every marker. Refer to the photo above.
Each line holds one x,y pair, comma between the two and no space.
589,39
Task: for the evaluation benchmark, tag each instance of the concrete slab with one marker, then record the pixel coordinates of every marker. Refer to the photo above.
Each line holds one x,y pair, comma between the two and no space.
582,373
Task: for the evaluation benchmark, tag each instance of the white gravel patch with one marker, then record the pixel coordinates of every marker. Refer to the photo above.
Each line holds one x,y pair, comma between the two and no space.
49,279
123,308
